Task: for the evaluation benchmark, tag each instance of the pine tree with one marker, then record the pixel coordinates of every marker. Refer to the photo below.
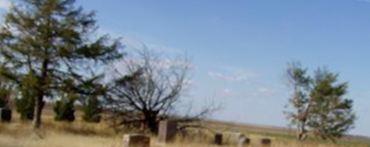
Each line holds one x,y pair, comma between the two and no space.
50,46
5,93
319,104
4,97
91,105
25,102
64,109
331,113
25,107
92,110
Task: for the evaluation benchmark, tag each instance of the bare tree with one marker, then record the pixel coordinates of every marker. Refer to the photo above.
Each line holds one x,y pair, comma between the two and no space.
147,88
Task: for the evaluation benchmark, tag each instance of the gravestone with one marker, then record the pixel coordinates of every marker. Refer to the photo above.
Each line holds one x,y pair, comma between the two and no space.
243,142
218,139
167,131
5,114
265,142
136,140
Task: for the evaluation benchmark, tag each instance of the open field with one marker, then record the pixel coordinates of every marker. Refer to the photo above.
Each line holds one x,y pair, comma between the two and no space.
158,73
80,134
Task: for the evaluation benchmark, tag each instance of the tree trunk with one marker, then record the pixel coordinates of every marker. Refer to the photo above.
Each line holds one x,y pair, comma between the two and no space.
302,132
38,110
151,122
39,104
301,136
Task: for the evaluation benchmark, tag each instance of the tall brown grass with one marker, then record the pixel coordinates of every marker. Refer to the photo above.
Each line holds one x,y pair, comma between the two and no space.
81,134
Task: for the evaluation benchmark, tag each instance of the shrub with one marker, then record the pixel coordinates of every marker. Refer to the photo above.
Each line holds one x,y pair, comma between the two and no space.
2,103
25,106
64,110
4,93
92,110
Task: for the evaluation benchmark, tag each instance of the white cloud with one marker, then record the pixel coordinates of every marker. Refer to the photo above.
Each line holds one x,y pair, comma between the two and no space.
132,43
164,57
265,91
227,92
233,76
5,4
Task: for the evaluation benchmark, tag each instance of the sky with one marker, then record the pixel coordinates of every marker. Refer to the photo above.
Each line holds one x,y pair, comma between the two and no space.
240,48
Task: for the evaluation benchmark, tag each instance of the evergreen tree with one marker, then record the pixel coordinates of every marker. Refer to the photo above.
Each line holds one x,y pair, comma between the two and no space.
331,113
25,107
92,110
319,104
91,105
50,46
25,103
64,109
4,97
5,93
3,101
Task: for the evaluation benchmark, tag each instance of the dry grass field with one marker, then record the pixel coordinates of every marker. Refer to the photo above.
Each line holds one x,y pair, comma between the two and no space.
80,134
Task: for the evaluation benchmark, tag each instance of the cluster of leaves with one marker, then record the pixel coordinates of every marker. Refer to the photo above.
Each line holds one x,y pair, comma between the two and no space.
319,103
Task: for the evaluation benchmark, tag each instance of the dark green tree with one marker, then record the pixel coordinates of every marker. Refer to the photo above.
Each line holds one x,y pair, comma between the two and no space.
25,107
3,100
51,45
319,104
64,109
93,91
4,97
25,101
92,110
5,93
6,90
332,113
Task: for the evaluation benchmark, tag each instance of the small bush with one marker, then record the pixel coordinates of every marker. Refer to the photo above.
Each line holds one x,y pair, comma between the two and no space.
25,106
27,93
2,103
64,110
4,97
92,110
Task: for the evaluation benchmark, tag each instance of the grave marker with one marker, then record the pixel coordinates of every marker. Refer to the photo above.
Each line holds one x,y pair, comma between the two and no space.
136,140
5,114
218,139
167,131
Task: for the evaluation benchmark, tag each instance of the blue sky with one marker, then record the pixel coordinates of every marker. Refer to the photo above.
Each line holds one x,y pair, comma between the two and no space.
240,48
